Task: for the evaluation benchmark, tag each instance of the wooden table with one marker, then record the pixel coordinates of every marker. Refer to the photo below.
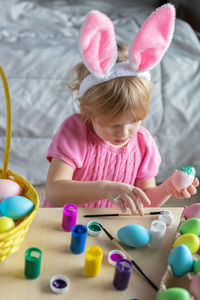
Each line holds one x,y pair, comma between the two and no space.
45,233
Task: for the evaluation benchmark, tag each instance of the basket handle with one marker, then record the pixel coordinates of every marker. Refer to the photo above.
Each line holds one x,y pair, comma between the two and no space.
8,123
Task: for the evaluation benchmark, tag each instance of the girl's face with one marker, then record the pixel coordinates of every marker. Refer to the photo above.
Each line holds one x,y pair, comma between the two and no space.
118,134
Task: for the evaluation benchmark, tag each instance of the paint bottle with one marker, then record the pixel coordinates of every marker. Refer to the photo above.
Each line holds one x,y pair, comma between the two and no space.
70,212
157,232
122,274
78,238
32,263
93,261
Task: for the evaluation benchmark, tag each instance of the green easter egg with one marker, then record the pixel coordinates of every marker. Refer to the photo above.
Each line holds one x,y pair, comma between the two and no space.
189,170
196,266
190,240
190,226
174,294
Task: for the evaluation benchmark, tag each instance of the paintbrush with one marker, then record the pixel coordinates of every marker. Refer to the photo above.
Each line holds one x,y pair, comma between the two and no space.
162,212
129,257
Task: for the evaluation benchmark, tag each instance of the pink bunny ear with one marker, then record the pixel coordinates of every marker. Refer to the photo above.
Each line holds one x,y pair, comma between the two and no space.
97,44
153,39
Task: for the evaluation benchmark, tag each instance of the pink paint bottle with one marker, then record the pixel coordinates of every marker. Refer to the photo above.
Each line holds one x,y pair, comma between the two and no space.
70,212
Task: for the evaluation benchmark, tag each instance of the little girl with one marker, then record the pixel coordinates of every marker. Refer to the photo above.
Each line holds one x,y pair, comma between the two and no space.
103,157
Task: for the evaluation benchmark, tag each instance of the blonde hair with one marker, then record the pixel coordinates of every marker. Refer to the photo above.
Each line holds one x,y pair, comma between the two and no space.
110,100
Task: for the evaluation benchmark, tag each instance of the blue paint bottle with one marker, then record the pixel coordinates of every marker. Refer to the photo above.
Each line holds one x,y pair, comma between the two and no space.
78,238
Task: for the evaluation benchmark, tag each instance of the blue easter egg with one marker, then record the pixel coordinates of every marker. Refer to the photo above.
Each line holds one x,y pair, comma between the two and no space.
133,235
180,260
16,207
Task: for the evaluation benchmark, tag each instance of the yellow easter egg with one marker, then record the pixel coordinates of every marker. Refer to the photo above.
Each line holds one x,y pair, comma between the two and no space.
190,240
6,224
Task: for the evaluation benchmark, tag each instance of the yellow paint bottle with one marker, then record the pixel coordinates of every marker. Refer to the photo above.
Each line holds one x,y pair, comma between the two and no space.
93,260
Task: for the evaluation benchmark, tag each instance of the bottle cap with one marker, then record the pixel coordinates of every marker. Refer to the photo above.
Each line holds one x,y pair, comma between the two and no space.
59,284
114,256
167,218
94,228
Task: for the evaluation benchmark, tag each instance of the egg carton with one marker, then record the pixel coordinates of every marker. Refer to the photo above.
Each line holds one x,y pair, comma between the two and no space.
169,280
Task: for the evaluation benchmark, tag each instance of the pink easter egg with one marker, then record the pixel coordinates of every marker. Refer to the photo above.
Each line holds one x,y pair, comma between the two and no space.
192,211
9,188
194,287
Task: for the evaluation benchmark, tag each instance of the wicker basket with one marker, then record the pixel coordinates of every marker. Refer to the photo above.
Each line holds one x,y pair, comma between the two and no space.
10,241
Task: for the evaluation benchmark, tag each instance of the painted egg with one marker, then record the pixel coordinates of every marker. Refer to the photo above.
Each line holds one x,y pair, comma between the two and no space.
174,294
194,287
9,188
133,235
16,207
190,240
6,224
180,260
183,177
190,226
196,266
192,211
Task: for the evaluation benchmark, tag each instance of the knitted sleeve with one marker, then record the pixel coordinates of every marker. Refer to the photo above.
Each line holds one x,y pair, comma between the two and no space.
149,156
70,142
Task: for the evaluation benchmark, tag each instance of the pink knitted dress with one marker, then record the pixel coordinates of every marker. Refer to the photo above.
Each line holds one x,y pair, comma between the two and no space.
92,159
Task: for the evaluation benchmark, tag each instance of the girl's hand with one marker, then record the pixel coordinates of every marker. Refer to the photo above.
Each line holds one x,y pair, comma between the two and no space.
183,193
123,195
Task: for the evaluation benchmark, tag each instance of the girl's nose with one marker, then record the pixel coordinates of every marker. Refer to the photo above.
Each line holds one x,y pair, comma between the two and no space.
123,131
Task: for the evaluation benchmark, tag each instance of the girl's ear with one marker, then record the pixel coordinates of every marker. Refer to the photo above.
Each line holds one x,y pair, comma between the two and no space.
80,100
97,44
153,39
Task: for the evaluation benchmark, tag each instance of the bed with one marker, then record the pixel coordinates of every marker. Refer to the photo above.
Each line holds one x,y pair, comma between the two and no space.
38,46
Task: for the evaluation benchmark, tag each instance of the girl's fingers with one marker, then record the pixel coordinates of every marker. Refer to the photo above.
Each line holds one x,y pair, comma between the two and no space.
177,194
141,195
192,190
131,204
196,182
185,193
139,206
121,205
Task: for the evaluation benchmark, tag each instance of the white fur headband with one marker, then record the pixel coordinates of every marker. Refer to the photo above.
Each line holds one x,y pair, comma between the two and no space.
98,48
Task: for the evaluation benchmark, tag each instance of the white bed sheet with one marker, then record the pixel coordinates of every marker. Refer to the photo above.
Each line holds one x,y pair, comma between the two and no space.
38,46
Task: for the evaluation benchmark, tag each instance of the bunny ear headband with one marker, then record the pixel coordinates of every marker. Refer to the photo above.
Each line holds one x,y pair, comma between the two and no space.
98,47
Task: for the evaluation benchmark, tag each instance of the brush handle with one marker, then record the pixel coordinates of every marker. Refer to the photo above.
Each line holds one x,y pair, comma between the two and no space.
122,215
101,215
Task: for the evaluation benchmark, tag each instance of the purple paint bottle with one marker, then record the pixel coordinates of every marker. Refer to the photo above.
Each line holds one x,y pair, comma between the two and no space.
122,274
70,212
